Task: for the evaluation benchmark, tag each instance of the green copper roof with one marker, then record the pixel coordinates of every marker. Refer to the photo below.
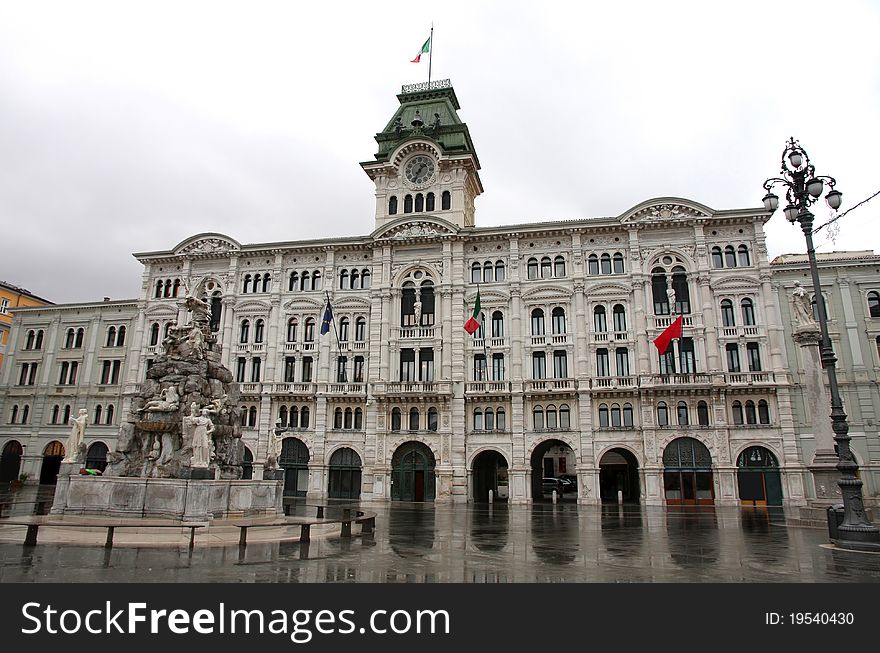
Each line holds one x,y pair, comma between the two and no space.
437,102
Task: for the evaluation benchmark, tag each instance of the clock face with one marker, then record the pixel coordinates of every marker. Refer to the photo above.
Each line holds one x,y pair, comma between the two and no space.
420,170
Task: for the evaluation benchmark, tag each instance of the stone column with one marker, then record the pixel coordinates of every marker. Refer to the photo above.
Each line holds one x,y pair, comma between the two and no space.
817,406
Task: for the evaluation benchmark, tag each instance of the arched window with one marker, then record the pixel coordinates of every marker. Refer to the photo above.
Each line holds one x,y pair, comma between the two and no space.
176,289
606,263
763,412
627,415
490,419
445,201
717,258
546,268
408,204
294,279
109,414
499,271
604,421
559,267
316,280
267,279
618,263
158,289
25,413
748,312
344,324
309,335
392,205
349,419
550,417
32,337
96,456
80,334
246,286
259,327
429,202
343,280
564,417
682,292
414,419
658,290
737,412
702,413
293,420
683,417
99,413
743,253
304,417
120,337
252,416
244,332
282,416
365,278
593,264
478,419
615,416
304,281
497,324
154,334
662,414
751,415
408,304
538,322
111,336
395,419
619,317
730,256
476,272
600,324
358,419
360,329
538,418
14,418
874,303
500,420
68,341
488,272
292,324
55,410
533,268
557,320
727,316
167,291
420,202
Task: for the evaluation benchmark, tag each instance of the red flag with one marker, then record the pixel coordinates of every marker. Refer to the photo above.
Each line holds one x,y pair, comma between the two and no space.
473,322
664,340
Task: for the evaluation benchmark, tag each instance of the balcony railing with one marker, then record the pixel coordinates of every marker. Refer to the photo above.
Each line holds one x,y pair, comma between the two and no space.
250,388
496,342
550,385
560,338
663,321
293,388
358,345
487,387
738,331
615,382
291,346
681,379
344,388
749,378
416,332
413,388
539,340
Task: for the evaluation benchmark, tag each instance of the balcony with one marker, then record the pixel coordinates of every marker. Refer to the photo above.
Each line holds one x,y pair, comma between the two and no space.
550,385
750,378
348,389
539,340
359,346
256,348
559,339
306,389
307,346
487,387
152,349
291,346
614,382
250,388
496,342
737,332
407,333
663,321
681,379
413,388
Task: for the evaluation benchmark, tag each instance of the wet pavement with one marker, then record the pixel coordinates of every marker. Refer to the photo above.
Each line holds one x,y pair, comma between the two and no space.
483,544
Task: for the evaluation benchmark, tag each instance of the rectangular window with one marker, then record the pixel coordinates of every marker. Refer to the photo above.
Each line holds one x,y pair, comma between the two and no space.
105,372
754,354
603,367
358,369
560,365
22,378
479,367
667,362
497,367
687,360
307,369
341,365
114,375
256,369
289,369
539,365
732,358
407,364
622,355
426,365
4,307
239,369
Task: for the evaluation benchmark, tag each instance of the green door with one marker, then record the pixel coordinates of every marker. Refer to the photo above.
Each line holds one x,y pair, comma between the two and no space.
412,473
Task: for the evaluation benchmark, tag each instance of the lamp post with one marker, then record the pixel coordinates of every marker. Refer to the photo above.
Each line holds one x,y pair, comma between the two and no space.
803,188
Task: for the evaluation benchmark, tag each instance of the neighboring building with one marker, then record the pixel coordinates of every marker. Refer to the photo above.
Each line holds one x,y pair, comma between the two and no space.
60,359
399,402
851,287
11,298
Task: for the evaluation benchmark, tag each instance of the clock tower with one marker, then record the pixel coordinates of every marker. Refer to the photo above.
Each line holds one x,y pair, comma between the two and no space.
426,163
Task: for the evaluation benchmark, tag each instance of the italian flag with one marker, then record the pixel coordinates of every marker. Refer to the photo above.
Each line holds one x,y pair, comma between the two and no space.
473,322
426,47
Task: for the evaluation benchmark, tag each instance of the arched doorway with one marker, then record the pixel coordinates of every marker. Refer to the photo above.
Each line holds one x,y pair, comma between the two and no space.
295,463
619,472
490,473
553,467
412,473
687,473
758,477
10,461
345,474
247,465
53,454
96,456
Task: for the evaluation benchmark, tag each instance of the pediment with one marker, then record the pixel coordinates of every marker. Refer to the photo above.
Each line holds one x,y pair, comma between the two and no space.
408,228
303,304
487,297
665,210
252,306
728,283
351,303
546,293
607,289
209,243
162,310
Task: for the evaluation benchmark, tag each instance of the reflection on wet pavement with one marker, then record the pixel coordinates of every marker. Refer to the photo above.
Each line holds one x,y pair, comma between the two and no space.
482,543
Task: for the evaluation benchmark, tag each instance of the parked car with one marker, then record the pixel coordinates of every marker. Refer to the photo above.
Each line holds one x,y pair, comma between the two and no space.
550,484
571,482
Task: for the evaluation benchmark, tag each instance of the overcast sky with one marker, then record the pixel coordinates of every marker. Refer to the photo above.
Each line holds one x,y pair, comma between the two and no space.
128,126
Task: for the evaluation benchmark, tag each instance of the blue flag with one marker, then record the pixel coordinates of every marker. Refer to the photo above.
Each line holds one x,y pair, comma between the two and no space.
328,318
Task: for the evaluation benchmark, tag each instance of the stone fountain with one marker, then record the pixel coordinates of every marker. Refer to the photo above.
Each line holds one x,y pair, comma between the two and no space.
179,454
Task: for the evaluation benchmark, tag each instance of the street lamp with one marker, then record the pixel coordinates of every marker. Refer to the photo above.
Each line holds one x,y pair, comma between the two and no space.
803,188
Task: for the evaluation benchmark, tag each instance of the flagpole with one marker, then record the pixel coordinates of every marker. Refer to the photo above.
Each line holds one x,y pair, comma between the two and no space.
430,53
485,336
338,346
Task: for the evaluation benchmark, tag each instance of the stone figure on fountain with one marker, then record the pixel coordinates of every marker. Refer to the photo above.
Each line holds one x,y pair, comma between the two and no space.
75,441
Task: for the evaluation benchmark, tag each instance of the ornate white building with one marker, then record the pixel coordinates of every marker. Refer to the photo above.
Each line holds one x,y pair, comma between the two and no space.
398,401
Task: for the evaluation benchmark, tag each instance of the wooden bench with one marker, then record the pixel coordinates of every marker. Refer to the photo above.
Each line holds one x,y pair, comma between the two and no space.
34,523
367,520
